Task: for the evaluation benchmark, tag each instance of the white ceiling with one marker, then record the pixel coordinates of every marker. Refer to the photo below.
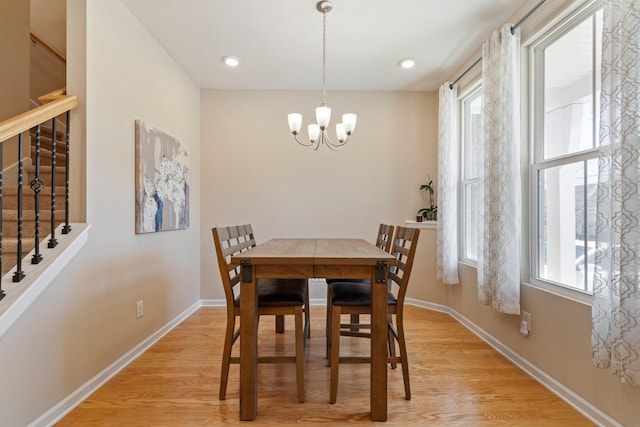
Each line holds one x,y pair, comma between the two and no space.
280,41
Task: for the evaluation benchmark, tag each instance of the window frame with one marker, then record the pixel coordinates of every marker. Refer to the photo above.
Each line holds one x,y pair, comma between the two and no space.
464,100
538,164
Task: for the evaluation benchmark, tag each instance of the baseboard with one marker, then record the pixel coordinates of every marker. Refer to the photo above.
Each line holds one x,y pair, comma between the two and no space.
569,396
213,303
65,406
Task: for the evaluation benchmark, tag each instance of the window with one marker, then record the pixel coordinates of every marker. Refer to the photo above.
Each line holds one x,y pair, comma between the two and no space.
471,142
564,173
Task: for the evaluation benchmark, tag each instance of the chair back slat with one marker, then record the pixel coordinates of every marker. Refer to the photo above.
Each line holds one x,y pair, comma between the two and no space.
230,241
385,237
404,247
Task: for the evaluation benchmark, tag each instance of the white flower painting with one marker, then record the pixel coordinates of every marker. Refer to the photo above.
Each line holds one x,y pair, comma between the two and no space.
162,181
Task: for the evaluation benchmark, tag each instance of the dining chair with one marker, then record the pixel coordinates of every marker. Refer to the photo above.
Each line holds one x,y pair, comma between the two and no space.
277,297
355,298
383,241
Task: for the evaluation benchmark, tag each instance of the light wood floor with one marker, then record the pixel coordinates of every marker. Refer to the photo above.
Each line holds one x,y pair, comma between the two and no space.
456,380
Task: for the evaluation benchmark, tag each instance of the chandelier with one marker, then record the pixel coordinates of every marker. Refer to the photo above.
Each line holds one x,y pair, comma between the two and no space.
318,131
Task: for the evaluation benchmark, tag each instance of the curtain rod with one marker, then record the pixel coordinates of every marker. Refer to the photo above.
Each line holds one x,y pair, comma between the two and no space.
516,25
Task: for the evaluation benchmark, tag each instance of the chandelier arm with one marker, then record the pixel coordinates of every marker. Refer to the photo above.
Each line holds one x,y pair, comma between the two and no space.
338,145
300,142
331,144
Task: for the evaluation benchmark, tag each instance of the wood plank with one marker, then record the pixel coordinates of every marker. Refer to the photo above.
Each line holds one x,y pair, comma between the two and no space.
456,379
295,251
301,271
349,252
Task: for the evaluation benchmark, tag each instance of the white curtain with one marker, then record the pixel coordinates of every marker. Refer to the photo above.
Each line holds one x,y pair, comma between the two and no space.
616,295
447,232
500,223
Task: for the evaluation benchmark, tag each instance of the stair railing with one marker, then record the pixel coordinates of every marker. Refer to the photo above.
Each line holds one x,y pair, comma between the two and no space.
55,104
35,39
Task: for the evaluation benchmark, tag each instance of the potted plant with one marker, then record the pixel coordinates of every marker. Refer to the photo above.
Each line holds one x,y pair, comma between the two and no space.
430,213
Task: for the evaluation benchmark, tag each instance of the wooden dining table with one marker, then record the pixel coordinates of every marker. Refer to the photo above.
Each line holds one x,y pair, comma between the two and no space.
313,258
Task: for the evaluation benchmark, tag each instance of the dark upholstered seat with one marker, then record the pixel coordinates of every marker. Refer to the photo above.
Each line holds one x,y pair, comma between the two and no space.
350,293
276,292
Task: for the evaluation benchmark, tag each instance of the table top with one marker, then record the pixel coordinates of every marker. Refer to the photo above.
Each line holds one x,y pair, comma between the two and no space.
315,251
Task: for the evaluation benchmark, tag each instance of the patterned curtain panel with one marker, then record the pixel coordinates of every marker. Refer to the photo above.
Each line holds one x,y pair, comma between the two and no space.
500,224
616,295
447,232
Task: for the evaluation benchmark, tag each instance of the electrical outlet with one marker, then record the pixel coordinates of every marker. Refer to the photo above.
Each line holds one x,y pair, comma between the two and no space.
139,309
526,317
525,324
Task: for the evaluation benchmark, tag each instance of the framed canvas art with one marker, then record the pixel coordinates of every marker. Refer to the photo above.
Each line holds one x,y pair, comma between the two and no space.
162,181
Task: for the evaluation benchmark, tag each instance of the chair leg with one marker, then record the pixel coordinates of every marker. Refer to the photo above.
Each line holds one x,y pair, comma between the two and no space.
279,324
327,330
391,340
355,318
335,353
307,312
226,356
299,353
404,360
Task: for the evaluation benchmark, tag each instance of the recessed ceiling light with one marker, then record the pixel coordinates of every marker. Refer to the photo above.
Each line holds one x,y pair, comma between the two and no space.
407,63
231,61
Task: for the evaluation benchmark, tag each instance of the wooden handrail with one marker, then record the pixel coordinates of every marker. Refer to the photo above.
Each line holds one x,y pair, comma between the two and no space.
36,39
52,96
25,121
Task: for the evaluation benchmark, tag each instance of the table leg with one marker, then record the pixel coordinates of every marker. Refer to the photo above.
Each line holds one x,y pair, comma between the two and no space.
379,349
248,348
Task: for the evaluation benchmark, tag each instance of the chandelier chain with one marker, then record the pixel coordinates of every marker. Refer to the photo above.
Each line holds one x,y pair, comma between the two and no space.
324,55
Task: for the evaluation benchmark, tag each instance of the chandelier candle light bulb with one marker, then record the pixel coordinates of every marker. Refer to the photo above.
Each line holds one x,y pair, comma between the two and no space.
318,132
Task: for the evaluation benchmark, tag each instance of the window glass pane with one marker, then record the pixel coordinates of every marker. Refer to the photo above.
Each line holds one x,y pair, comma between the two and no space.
568,92
567,223
472,143
474,138
471,217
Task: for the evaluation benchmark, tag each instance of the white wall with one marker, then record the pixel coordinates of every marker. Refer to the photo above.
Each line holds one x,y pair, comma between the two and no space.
86,319
254,171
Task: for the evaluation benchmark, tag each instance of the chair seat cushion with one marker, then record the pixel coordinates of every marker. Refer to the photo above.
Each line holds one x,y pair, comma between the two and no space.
279,292
351,293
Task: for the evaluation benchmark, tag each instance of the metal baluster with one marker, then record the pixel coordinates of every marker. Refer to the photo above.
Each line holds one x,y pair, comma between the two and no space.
52,241
66,229
2,293
36,186
19,274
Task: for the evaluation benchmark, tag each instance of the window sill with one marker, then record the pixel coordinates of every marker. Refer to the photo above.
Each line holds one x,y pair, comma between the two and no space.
423,224
558,291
